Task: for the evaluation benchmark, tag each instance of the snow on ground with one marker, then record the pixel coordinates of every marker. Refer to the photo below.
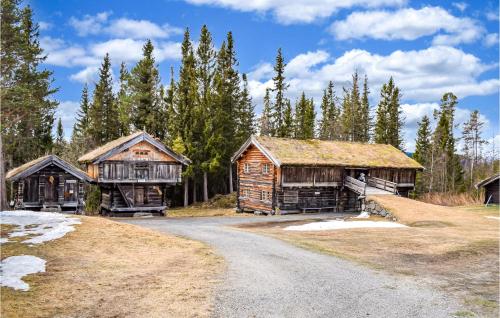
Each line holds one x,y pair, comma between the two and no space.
493,217
363,215
46,226
339,225
14,268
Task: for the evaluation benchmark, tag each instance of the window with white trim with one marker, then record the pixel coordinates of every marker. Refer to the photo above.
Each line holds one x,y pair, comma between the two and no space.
266,168
265,196
246,193
246,167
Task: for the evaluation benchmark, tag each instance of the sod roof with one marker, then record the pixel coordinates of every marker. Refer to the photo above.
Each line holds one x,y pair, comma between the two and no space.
285,151
40,163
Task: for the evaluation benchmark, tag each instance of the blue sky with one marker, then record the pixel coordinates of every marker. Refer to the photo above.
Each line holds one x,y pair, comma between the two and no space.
429,47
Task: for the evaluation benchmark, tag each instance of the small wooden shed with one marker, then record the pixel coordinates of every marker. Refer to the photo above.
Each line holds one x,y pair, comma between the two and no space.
48,183
491,189
135,173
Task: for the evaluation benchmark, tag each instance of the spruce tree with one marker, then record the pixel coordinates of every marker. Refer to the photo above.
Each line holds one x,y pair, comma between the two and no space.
347,117
123,102
390,120
103,115
304,118
82,116
330,114
288,120
266,125
59,144
364,115
171,115
422,154
147,107
280,87
245,114
355,127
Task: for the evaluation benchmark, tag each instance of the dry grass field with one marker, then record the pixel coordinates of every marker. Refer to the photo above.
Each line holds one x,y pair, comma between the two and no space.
199,211
453,248
109,269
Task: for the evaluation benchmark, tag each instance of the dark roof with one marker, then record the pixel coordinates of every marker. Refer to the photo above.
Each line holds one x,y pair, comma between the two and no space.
285,151
115,146
487,181
38,164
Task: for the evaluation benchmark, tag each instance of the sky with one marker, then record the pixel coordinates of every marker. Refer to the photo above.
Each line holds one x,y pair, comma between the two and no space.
429,48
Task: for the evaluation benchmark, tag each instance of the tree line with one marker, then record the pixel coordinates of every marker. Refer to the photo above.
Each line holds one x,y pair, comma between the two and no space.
206,112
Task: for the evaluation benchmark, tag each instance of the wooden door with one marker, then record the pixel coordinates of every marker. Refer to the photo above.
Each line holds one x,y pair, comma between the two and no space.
70,194
139,196
51,187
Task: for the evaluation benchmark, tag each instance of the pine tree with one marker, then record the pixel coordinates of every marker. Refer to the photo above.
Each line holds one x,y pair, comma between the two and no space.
278,107
473,143
266,126
147,107
422,154
364,115
123,102
329,124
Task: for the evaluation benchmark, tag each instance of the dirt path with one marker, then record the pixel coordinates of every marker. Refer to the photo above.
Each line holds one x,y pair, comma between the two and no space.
269,278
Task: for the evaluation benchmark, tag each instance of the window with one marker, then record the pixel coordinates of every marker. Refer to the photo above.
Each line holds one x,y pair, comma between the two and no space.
291,197
246,167
265,168
265,196
246,193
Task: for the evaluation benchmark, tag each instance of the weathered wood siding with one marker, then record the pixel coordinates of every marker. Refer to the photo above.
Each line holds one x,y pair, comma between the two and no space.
255,186
142,151
50,185
402,176
123,196
492,190
139,171
312,176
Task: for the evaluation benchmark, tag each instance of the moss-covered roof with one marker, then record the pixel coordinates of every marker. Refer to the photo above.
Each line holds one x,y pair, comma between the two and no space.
37,164
90,156
333,153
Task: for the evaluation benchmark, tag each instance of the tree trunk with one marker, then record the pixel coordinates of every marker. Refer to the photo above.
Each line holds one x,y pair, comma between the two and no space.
231,179
194,192
205,186
3,187
186,192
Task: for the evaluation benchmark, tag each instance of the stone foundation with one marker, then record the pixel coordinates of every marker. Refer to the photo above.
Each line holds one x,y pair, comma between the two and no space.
374,208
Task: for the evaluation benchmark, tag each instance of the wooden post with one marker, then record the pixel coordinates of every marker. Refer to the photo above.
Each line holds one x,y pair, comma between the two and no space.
186,191
231,178
205,186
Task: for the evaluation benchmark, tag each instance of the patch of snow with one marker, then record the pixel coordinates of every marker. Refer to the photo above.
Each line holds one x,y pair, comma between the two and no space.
339,225
3,240
47,226
493,217
363,215
14,268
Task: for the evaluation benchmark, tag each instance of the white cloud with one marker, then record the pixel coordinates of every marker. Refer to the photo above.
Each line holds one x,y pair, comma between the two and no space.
460,6
492,15
87,75
298,11
43,26
423,75
122,27
89,24
140,29
67,111
408,24
491,39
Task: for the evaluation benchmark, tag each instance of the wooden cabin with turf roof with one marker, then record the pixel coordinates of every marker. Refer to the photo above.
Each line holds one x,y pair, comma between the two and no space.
135,173
281,175
48,183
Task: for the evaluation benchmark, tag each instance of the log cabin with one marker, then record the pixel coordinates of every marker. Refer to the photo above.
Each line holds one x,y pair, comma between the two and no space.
134,173
281,175
491,187
48,184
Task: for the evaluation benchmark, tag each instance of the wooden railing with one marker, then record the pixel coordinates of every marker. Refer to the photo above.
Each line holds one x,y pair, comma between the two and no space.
382,184
355,185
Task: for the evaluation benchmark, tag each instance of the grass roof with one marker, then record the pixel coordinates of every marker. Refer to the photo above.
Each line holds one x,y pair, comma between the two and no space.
335,153
12,174
94,154
25,166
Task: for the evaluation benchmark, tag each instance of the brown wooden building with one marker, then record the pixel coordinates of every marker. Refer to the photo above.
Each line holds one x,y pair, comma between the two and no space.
134,173
48,183
491,187
280,175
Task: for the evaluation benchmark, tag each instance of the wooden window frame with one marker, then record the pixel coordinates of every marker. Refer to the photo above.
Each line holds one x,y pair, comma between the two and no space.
265,196
246,167
266,168
246,193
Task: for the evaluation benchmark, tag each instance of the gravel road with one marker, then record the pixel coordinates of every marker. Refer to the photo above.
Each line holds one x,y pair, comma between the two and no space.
266,277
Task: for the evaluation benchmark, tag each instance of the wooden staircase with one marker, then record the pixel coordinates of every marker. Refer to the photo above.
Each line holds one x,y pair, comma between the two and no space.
371,187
